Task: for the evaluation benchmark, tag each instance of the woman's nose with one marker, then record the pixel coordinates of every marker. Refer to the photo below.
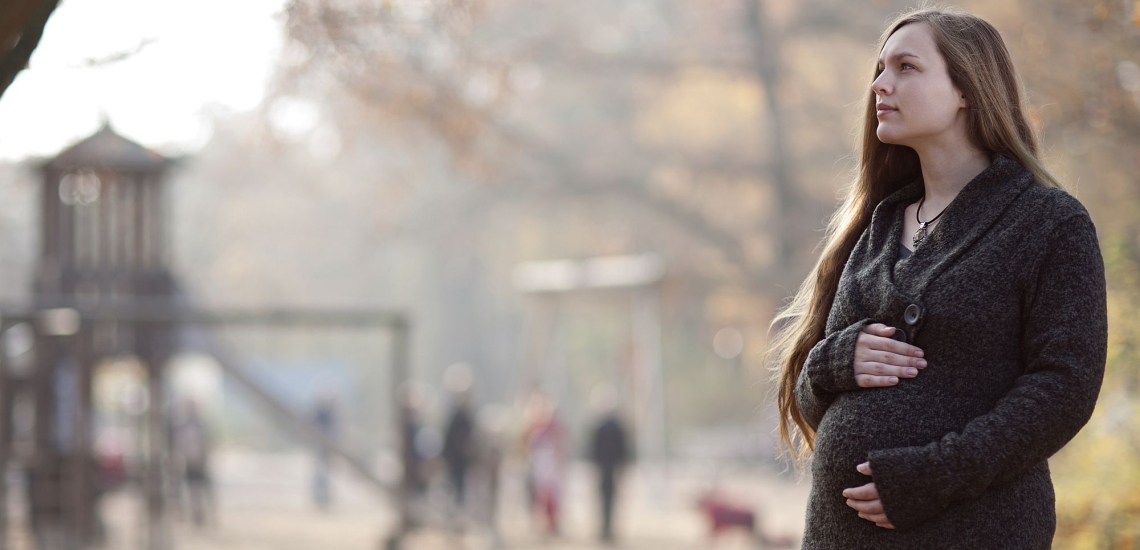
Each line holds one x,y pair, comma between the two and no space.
879,86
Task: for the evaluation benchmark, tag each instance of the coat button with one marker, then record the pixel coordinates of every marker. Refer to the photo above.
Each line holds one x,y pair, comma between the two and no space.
899,335
912,314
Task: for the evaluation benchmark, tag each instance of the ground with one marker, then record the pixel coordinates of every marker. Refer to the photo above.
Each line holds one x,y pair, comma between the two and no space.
264,504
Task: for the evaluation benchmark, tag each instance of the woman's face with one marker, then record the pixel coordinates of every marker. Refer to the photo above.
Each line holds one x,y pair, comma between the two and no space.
915,101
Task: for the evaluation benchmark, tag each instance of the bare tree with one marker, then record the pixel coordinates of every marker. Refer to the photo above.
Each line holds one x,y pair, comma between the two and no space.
21,27
462,68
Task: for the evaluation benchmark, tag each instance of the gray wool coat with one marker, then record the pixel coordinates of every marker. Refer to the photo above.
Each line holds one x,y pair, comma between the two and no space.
1007,299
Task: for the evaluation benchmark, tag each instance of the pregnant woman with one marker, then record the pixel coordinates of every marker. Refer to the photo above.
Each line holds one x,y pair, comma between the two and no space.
953,334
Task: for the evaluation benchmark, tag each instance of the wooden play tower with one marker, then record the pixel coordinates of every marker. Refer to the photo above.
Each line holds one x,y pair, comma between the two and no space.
103,288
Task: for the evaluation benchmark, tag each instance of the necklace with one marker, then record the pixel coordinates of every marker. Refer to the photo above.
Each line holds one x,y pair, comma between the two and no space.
920,235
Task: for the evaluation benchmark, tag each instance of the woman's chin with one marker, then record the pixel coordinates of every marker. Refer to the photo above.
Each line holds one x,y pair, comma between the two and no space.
889,137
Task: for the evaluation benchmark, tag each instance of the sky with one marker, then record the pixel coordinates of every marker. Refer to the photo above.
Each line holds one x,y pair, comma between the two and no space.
201,56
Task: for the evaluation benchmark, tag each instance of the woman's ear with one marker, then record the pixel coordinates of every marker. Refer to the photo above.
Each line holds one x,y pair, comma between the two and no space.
962,103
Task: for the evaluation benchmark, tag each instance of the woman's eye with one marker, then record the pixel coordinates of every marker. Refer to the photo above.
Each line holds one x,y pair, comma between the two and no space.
906,66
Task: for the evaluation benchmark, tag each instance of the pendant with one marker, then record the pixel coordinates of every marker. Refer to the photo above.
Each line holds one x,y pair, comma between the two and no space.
919,235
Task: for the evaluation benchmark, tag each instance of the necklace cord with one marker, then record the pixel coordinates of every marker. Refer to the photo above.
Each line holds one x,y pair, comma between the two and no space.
920,235
919,209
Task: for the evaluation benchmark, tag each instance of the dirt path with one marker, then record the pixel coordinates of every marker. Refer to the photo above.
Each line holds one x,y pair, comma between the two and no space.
263,504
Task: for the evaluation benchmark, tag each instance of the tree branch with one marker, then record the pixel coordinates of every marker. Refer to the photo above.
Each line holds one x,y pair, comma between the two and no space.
16,59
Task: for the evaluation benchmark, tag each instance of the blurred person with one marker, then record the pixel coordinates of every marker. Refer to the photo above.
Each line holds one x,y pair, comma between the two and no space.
545,441
609,451
459,439
490,424
458,442
192,446
412,458
953,335
325,419
413,482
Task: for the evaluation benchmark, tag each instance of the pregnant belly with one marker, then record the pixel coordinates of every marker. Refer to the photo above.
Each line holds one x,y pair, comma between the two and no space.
910,414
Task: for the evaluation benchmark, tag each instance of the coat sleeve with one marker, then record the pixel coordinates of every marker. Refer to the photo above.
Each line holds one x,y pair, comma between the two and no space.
1064,344
828,370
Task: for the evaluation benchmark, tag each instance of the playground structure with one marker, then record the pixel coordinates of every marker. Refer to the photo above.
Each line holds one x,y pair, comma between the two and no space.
103,290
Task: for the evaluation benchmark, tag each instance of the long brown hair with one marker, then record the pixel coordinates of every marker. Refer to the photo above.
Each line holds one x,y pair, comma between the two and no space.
980,66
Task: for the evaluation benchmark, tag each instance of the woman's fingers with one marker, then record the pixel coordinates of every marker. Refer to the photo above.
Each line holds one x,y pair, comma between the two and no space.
867,506
876,518
894,346
872,381
862,492
881,361
883,369
892,358
871,374
879,329
884,342
888,357
865,500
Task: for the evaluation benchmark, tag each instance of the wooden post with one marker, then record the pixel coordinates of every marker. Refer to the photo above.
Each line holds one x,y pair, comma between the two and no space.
156,447
81,483
43,490
400,373
5,435
151,342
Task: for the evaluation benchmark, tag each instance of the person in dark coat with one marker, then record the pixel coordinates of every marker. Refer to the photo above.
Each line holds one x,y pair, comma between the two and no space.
459,441
457,449
609,452
953,335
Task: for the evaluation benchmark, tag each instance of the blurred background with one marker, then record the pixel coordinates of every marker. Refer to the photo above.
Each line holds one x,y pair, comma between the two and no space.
301,274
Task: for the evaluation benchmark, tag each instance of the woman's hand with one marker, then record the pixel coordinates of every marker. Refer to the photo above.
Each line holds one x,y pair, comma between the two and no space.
881,361
865,500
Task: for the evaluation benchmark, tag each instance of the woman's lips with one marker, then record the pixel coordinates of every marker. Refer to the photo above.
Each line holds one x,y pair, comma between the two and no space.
884,110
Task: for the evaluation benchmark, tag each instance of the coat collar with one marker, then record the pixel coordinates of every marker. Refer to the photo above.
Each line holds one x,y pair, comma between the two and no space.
976,208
